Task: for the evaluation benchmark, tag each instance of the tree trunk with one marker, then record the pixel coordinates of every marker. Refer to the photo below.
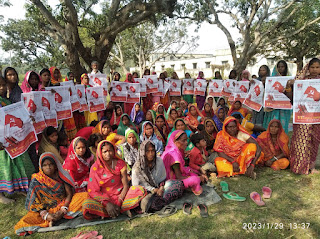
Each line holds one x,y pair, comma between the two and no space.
72,60
299,63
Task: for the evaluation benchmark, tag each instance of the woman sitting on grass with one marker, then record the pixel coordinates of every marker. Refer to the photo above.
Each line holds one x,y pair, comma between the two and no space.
50,197
104,128
108,186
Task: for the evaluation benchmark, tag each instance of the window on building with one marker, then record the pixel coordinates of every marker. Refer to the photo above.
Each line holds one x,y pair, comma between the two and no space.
183,66
171,57
224,62
172,66
194,65
162,67
208,64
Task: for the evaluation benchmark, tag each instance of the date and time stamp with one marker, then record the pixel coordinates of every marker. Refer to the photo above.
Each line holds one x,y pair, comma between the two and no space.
275,226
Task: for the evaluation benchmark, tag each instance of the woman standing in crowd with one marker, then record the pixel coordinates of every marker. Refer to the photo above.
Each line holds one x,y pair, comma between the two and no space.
200,99
45,78
12,80
89,116
31,82
187,98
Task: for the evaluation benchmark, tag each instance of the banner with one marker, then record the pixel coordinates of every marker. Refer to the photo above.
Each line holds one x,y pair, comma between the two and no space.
240,91
95,98
216,88
306,102
228,87
274,96
160,89
119,91
200,87
254,99
33,104
175,88
49,108
152,83
97,79
17,132
75,104
133,90
143,86
81,92
188,87
62,99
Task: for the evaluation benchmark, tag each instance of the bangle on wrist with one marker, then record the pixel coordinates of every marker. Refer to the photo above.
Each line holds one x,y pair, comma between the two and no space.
251,164
64,207
45,217
234,161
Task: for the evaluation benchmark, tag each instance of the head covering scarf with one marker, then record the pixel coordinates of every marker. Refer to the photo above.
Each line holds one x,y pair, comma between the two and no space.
155,108
228,144
265,141
122,128
47,146
25,86
245,71
83,82
45,192
53,80
214,104
186,130
67,76
207,134
159,133
136,117
199,77
207,114
193,120
154,115
170,120
242,110
115,119
216,119
275,71
127,78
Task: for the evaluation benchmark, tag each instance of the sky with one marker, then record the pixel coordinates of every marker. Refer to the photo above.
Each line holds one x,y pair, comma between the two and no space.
210,36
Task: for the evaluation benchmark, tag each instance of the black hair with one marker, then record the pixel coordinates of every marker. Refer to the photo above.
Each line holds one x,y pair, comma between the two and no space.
200,127
45,70
238,101
312,61
135,73
267,69
93,139
125,115
106,122
231,72
61,137
237,116
196,138
9,68
146,70
285,65
184,133
35,74
94,123
174,110
48,158
87,154
116,73
108,143
150,143
162,117
49,130
175,123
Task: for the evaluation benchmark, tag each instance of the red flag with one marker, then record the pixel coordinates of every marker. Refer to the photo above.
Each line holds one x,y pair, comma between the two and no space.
79,93
13,121
45,102
32,106
57,97
97,81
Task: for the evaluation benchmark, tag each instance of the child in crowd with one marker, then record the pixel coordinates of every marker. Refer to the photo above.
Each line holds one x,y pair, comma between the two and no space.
63,144
93,142
199,156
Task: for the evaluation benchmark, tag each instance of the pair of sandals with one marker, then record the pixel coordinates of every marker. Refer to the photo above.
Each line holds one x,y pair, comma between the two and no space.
187,208
88,235
256,197
230,195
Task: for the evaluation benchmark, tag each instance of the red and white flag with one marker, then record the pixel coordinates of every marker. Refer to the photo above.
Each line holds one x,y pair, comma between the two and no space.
49,108
62,101
96,99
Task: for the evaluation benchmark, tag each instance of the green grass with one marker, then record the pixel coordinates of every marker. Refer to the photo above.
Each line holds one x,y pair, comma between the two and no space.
295,199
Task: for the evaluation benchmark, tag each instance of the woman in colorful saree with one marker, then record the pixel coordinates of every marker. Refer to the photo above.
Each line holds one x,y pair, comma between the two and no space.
194,117
149,172
108,186
56,77
125,123
116,115
50,197
136,114
31,82
104,128
238,152
147,132
173,159
275,146
305,139
237,107
78,163
219,117
161,129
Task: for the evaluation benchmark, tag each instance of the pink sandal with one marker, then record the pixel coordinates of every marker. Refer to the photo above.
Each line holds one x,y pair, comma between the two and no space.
86,235
257,198
266,192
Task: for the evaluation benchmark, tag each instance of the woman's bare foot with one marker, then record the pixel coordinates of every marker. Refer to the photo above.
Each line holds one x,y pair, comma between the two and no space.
5,200
23,193
314,171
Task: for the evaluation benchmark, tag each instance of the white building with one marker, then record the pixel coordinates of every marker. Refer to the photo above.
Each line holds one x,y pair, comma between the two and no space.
219,60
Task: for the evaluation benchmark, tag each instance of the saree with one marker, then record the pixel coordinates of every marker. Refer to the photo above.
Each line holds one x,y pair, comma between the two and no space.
155,108
187,131
128,106
242,110
47,195
110,137
122,128
206,114
210,138
47,146
115,119
191,120
270,150
53,80
136,117
217,121
105,186
77,167
25,86
153,138
172,157
305,139
159,132
236,148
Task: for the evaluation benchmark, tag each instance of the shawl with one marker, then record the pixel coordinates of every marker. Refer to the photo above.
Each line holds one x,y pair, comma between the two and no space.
47,146
210,137
265,141
115,120
154,115
170,120
245,71
148,177
76,166
214,105
192,120
44,192
101,175
127,78
122,128
173,155
228,144
127,152
199,77
25,86
159,133
155,108
136,117
67,77
153,138
217,121
207,114
242,110
53,80
15,94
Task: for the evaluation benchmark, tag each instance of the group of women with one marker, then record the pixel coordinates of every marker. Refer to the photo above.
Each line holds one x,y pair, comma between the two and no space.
137,161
